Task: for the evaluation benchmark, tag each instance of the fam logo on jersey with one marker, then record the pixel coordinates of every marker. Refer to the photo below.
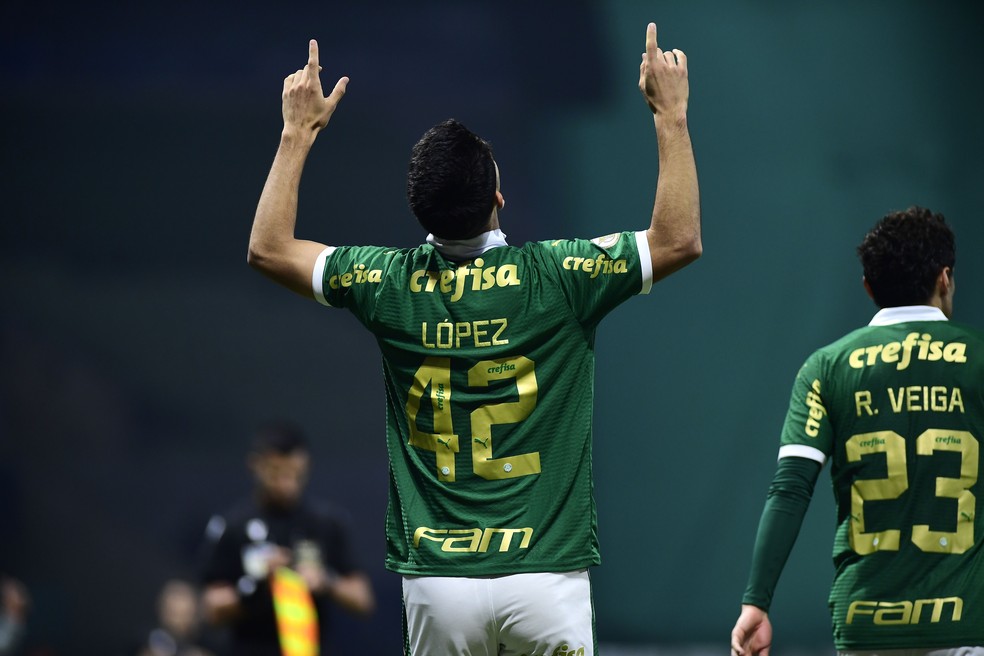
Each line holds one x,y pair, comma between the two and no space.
455,281
902,352
894,613
472,540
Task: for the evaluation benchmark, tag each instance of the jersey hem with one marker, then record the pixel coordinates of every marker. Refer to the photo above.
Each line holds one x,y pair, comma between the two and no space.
402,568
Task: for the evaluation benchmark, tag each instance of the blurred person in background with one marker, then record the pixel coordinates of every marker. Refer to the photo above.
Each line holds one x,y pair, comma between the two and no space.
278,530
178,623
14,604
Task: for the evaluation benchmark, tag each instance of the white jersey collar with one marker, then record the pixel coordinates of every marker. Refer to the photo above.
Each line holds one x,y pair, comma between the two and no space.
467,249
901,314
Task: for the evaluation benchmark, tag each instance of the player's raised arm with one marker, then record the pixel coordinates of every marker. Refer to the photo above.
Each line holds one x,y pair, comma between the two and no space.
273,249
674,234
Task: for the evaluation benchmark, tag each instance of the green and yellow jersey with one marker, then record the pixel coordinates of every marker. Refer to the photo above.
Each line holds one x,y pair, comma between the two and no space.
898,409
488,367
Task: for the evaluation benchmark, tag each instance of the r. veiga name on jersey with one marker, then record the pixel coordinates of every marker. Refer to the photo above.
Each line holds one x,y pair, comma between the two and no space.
901,352
455,281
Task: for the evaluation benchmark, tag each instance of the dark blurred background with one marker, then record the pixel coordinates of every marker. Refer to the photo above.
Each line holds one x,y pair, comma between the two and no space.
138,350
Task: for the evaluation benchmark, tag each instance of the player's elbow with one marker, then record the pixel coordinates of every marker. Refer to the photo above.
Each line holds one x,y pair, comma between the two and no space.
258,257
691,251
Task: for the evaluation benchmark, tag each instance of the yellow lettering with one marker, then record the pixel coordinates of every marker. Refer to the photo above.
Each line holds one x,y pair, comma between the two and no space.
862,401
447,328
507,275
502,323
912,398
893,613
938,609
956,400
415,279
914,346
423,336
422,533
480,333
471,540
896,401
891,352
860,608
461,329
816,410
446,277
955,352
507,534
907,344
488,278
889,613
460,276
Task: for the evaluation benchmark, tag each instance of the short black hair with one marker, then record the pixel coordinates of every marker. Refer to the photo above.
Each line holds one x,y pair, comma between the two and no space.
451,182
279,437
903,255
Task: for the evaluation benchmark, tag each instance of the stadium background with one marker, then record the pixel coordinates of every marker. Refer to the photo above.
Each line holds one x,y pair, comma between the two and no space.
138,349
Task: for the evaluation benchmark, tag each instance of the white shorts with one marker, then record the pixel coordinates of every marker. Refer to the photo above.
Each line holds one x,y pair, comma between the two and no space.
541,614
952,651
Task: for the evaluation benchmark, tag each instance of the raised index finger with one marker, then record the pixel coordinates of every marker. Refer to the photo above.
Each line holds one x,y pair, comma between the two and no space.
651,40
313,65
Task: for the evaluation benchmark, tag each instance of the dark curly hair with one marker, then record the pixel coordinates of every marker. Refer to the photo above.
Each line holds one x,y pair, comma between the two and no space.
451,182
903,255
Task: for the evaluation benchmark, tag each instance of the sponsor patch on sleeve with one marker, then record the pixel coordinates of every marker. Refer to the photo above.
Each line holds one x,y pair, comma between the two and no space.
608,240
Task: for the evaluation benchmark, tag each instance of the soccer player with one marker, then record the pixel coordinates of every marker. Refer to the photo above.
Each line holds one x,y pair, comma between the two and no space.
488,365
898,409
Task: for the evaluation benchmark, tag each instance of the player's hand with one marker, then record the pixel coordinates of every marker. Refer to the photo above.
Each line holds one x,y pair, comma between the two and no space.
305,107
752,634
663,78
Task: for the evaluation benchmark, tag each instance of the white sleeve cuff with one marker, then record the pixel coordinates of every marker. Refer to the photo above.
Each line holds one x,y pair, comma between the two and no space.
802,451
645,260
318,276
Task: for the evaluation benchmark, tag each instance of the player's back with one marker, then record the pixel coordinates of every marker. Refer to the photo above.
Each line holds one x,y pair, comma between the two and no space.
488,365
906,405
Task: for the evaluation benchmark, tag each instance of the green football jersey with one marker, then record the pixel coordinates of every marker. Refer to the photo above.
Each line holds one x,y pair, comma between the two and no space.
488,366
899,411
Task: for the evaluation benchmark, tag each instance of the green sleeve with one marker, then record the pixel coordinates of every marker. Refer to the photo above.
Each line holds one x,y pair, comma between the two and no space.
789,497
